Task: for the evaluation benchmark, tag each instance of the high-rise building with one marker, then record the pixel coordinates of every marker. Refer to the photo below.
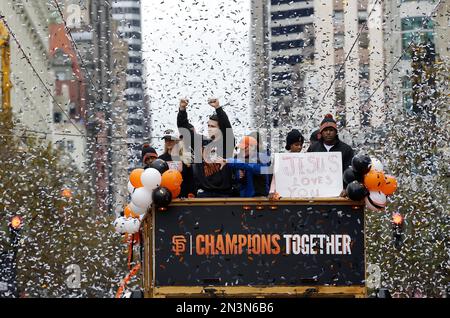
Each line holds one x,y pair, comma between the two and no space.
128,15
317,58
70,91
31,105
412,22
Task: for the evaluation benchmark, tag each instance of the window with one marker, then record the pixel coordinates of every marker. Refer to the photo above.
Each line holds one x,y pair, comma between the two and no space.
278,2
276,46
134,72
341,74
136,60
57,117
60,144
418,30
406,82
281,76
60,76
339,40
134,47
290,14
298,28
364,71
291,60
338,17
134,85
70,145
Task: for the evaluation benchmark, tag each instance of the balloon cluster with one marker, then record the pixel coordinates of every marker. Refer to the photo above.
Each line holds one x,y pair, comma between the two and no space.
156,185
365,179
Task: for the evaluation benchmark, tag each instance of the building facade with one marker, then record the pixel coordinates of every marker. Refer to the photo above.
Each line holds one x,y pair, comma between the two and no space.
128,15
321,57
31,105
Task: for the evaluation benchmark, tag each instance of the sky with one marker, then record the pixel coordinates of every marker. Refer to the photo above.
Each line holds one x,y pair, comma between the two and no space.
196,49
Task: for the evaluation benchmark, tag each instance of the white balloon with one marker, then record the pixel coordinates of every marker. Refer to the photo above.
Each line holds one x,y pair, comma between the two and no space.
119,224
376,164
376,201
137,209
142,198
151,179
131,225
130,187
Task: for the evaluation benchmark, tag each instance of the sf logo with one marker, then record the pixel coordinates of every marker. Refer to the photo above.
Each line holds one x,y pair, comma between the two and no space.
178,244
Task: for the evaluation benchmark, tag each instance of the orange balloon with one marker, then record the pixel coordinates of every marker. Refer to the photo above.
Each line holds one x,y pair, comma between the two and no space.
128,213
374,180
171,179
175,192
135,177
390,185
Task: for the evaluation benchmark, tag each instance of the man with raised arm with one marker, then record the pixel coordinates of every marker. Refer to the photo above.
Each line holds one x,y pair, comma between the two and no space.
210,179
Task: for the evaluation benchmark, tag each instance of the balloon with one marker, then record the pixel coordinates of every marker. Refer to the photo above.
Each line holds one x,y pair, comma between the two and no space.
175,192
131,225
376,164
162,197
361,164
119,224
376,201
356,191
374,180
390,185
135,178
151,178
160,165
142,197
137,209
128,212
171,179
130,187
350,175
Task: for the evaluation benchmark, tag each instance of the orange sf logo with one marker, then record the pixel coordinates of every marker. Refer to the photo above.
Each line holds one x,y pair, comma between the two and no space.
178,244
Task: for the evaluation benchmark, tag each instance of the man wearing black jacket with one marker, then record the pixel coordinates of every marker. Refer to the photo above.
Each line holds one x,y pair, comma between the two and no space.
328,140
210,179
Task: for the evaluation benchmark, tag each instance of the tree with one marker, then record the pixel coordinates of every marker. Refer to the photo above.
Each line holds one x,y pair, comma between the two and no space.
414,151
61,226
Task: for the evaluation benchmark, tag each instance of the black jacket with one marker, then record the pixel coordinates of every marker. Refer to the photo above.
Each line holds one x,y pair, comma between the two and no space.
209,176
346,150
188,185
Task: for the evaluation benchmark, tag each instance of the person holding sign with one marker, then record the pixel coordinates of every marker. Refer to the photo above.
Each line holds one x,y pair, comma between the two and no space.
294,144
211,179
328,141
179,159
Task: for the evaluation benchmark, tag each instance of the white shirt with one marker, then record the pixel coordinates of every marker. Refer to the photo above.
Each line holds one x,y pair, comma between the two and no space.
328,147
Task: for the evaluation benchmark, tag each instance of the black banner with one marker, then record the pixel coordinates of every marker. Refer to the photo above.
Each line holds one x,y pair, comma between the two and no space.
286,245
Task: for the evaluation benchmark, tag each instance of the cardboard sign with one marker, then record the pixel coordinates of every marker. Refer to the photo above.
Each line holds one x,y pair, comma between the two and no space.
312,174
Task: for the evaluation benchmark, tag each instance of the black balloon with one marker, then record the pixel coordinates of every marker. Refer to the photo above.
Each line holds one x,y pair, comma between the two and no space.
161,197
159,165
361,164
356,191
351,175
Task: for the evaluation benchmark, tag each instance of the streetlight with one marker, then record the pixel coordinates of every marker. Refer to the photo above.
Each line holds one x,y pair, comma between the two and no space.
398,225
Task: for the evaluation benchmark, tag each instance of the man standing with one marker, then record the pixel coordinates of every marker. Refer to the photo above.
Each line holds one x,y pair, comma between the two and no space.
210,179
328,140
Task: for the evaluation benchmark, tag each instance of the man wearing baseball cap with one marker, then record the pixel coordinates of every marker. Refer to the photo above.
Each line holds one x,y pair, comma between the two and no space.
328,140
